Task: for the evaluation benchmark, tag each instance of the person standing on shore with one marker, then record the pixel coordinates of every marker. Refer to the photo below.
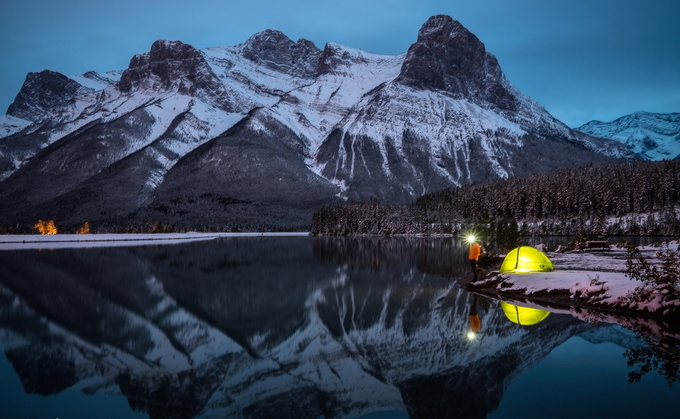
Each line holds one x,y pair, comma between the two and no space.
473,255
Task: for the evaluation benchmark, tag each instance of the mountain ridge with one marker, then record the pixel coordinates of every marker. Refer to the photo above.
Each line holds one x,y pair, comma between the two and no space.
262,134
652,136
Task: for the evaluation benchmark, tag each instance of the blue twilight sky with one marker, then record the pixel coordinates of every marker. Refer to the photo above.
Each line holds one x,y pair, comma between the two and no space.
581,59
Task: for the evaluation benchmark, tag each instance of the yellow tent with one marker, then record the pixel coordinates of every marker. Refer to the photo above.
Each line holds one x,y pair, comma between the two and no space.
526,259
524,316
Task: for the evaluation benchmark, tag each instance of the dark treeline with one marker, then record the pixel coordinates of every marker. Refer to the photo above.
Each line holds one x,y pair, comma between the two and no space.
637,198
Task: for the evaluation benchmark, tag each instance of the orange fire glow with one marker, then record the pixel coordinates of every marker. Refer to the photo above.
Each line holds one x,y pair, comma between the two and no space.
46,227
84,229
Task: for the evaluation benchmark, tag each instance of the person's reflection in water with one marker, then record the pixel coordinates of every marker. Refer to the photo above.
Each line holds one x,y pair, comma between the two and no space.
473,319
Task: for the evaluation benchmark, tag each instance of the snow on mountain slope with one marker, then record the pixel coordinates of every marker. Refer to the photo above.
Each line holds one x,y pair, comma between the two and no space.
314,109
10,125
446,125
652,136
97,81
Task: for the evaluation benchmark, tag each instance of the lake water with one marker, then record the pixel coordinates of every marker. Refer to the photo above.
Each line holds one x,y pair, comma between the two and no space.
300,327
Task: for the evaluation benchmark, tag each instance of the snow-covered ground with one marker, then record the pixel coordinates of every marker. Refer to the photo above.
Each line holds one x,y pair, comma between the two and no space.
595,279
62,241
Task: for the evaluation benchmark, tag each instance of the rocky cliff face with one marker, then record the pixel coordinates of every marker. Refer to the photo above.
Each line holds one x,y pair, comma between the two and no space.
262,134
273,50
174,68
447,57
42,92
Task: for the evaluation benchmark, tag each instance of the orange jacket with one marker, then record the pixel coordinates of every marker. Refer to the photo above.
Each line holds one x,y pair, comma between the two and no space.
475,251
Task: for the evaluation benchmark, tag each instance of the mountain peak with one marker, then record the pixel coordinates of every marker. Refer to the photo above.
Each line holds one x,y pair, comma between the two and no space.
43,91
274,50
166,63
440,24
173,66
449,58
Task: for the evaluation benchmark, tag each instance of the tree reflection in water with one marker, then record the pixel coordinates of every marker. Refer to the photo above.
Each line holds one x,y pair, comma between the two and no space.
661,355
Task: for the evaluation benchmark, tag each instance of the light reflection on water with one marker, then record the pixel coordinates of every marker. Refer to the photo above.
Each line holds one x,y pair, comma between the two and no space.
297,327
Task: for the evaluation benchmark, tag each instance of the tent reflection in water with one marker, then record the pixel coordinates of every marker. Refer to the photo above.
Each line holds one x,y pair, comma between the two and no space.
526,259
524,316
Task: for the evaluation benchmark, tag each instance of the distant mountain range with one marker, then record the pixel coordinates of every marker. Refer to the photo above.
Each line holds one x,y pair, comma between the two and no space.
651,136
262,134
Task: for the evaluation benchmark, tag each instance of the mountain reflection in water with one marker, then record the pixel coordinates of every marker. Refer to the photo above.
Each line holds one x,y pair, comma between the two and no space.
271,327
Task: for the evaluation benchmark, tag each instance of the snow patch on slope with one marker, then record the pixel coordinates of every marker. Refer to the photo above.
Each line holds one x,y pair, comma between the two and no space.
10,125
447,125
251,84
328,100
98,81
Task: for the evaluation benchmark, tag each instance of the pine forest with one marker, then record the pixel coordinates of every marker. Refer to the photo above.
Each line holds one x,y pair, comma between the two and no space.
636,198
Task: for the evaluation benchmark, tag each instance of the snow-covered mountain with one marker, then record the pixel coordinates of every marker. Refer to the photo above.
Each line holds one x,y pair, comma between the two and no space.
652,136
262,134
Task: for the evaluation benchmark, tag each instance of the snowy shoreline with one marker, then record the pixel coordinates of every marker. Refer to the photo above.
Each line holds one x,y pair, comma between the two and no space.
588,280
64,241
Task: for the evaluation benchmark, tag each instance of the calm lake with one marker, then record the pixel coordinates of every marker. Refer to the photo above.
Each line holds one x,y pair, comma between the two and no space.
301,327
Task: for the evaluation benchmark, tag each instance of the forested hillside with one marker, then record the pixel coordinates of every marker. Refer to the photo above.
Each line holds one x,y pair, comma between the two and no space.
638,198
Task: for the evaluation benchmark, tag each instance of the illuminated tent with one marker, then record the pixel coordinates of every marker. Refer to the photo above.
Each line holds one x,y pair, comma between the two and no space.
524,316
526,259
